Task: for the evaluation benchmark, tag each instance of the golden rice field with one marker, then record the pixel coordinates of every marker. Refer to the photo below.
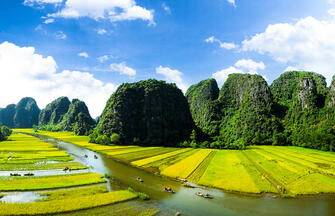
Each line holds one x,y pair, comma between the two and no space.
287,171
65,205
60,192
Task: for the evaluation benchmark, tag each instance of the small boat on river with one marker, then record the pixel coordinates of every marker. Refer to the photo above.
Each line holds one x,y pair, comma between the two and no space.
207,196
168,189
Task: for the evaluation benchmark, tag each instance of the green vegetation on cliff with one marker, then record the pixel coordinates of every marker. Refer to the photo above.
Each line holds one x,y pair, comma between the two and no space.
246,111
61,114
53,113
202,98
148,112
23,115
301,102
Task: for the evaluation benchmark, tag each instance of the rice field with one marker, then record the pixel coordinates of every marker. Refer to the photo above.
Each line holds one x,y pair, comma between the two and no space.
61,191
65,205
282,170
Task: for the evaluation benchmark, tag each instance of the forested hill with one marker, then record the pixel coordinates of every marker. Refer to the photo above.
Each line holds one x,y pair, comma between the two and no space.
61,114
296,109
22,115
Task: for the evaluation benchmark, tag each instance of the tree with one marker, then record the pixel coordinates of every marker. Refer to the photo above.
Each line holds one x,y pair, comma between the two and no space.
115,138
5,132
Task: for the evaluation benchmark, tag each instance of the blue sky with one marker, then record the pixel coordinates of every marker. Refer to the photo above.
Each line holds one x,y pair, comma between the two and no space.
86,48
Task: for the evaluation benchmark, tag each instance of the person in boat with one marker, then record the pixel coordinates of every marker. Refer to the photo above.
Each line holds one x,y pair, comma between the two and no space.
95,157
86,156
139,179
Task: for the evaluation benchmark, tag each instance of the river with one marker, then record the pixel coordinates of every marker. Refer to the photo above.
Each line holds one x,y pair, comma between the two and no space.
184,200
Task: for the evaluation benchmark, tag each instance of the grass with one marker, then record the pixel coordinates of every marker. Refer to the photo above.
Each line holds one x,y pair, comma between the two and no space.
48,182
73,192
65,205
185,167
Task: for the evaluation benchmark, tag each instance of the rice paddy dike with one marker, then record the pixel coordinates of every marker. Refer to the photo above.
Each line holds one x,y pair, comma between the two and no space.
36,178
256,181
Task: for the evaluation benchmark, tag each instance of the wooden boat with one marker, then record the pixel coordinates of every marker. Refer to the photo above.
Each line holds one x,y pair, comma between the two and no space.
207,196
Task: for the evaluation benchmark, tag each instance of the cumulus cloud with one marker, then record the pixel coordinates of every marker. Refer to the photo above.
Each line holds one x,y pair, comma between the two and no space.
171,75
308,44
48,21
122,68
101,31
166,8
103,58
242,66
83,54
60,35
223,45
26,73
114,10
232,2
41,2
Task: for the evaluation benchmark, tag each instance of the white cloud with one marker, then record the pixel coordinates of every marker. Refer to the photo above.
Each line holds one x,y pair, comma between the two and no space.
291,68
103,58
251,66
223,45
122,68
242,66
308,44
232,2
174,76
114,10
25,73
48,21
40,2
60,35
83,54
166,8
101,31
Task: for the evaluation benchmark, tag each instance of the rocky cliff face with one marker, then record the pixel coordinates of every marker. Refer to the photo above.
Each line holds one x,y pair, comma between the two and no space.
202,98
149,112
331,96
246,110
299,89
301,98
53,113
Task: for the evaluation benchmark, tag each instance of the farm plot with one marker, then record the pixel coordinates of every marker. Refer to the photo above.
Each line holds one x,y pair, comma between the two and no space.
48,182
65,205
162,164
153,159
228,171
295,177
315,164
73,192
184,168
127,150
144,153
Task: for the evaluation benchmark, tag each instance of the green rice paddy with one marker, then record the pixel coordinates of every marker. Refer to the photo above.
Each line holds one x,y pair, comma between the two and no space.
65,192
286,171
